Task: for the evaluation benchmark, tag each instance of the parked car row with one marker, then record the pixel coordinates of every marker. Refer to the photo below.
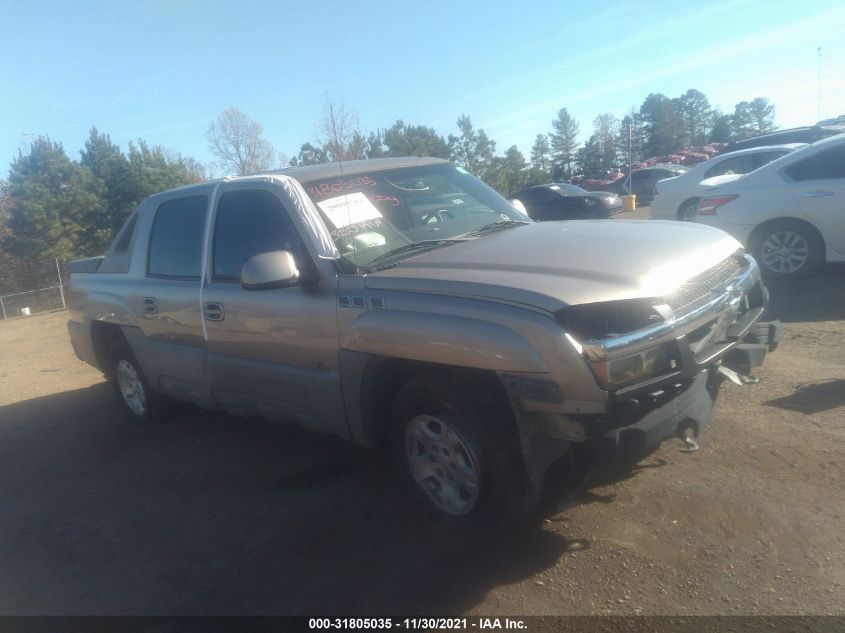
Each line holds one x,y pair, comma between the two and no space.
806,134
784,203
789,213
677,198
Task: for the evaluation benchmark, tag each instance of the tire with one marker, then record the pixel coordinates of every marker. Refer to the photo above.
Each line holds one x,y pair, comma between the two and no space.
140,404
688,211
448,443
788,249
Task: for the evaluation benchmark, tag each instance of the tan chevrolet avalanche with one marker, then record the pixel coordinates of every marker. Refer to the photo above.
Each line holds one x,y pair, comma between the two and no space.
401,303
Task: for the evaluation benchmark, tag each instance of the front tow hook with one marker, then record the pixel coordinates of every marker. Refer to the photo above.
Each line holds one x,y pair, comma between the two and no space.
737,378
687,436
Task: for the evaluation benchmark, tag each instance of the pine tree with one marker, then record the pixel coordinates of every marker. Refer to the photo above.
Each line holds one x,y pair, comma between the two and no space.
414,140
375,145
762,115
56,206
697,116
590,159
540,160
752,118
109,165
741,123
563,143
509,173
605,131
663,128
472,150
722,127
309,155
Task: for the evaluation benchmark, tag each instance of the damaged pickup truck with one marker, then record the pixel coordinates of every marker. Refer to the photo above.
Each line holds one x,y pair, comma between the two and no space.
402,303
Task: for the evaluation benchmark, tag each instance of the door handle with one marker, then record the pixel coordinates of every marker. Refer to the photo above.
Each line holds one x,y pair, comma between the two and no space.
150,305
818,193
213,311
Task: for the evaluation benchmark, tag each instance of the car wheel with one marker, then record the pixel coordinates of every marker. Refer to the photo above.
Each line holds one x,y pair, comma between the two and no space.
139,402
788,249
688,211
449,457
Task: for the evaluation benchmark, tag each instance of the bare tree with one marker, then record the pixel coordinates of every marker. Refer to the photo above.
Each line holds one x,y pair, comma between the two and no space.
339,135
237,142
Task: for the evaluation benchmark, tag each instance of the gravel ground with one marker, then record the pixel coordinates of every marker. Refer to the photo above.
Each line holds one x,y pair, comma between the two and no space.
213,514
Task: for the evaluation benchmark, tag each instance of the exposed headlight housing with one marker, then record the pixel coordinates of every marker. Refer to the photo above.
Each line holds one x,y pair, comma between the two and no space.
634,368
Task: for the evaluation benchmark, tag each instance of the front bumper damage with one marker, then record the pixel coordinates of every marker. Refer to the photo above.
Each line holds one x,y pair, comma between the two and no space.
723,337
639,420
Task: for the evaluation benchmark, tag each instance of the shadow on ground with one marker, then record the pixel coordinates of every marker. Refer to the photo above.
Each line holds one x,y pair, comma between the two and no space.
219,515
820,297
813,397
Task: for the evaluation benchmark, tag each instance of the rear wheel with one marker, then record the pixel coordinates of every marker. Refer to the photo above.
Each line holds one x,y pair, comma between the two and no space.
450,446
139,402
788,249
688,211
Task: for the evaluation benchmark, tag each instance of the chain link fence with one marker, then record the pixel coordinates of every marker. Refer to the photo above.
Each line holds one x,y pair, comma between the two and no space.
32,302
29,302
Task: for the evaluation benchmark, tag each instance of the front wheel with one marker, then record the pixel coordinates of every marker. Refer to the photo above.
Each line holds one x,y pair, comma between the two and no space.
443,460
445,444
788,249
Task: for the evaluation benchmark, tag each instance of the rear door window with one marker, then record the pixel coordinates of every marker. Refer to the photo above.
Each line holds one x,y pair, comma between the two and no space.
826,165
767,157
735,165
176,240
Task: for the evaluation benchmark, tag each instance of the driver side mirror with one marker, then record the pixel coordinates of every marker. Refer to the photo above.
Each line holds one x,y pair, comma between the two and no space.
276,269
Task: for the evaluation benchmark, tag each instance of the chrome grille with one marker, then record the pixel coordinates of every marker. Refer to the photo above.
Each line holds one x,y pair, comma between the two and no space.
698,289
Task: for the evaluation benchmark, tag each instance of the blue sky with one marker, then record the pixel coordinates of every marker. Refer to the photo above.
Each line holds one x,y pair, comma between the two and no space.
161,70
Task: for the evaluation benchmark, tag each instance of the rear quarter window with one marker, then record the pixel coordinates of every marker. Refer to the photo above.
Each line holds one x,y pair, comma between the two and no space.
176,239
125,237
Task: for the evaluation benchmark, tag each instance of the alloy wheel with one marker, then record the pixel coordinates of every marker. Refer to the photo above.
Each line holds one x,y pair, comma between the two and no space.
784,252
131,388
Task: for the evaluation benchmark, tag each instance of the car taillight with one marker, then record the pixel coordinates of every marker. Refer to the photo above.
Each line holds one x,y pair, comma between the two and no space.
708,205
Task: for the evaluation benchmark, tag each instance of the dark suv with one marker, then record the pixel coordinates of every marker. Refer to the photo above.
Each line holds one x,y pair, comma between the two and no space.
642,181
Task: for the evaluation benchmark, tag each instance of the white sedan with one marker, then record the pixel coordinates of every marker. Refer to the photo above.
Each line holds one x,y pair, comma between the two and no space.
789,213
677,198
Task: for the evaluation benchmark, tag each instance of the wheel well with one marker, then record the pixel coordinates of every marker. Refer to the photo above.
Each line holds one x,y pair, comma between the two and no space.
384,377
103,335
695,199
762,227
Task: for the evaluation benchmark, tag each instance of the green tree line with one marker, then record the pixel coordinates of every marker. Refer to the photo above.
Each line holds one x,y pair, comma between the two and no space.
54,206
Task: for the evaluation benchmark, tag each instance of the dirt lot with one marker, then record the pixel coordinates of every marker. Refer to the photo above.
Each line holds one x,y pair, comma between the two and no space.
213,514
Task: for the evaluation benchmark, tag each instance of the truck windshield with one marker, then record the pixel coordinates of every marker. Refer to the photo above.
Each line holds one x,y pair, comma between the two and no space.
371,215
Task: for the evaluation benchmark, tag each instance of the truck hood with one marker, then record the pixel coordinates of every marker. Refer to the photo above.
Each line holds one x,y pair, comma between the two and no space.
551,265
